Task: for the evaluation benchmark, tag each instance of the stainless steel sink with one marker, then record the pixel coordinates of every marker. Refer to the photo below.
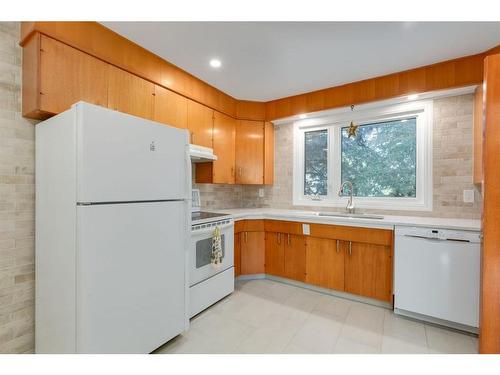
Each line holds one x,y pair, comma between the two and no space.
357,216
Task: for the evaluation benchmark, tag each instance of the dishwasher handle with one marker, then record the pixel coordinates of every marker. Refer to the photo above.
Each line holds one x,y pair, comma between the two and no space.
436,239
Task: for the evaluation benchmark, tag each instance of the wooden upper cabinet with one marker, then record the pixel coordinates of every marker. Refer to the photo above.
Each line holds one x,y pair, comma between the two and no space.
200,120
368,270
325,262
65,77
275,254
295,257
130,94
221,171
170,108
250,152
478,135
268,153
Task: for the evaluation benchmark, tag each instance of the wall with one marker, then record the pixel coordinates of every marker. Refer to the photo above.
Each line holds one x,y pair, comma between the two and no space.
452,164
17,199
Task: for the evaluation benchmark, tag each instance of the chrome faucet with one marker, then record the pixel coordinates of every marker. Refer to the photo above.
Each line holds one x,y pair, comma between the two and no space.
350,205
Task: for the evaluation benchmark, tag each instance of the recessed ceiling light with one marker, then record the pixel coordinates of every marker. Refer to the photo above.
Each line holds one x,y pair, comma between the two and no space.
215,63
412,97
302,116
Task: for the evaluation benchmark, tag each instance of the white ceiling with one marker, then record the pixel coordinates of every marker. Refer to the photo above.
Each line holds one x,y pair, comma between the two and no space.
269,60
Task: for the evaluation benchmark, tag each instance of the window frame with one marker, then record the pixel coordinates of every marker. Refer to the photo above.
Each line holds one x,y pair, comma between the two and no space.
366,114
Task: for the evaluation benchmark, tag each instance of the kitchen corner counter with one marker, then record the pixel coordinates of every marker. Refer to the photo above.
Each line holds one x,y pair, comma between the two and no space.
388,222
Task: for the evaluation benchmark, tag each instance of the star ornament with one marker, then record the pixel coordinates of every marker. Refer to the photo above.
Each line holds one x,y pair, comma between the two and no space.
352,131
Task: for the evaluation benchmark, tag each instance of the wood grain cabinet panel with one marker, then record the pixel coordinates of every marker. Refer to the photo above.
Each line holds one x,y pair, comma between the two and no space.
237,254
68,76
368,270
200,122
295,257
130,94
221,171
250,152
275,254
325,262
170,108
268,153
489,326
252,253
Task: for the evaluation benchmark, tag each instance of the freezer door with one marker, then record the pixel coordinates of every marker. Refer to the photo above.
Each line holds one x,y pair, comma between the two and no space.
130,276
126,158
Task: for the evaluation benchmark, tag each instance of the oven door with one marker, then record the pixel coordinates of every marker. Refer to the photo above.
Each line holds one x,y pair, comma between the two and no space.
201,267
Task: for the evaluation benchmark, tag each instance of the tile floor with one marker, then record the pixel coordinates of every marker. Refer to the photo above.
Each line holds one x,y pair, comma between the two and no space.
264,316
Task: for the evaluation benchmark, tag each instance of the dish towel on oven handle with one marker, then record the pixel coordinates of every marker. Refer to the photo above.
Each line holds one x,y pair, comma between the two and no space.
216,258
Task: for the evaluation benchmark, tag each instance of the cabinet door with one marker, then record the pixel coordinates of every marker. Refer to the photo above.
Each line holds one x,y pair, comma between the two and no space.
368,270
200,121
325,262
170,108
68,76
275,254
295,257
130,94
237,255
268,153
224,148
250,152
252,252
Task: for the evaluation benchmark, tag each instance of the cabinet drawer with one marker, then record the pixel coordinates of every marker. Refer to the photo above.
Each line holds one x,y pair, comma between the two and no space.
248,226
279,226
357,234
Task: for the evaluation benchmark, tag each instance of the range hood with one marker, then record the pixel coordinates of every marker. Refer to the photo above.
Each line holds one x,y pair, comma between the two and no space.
200,154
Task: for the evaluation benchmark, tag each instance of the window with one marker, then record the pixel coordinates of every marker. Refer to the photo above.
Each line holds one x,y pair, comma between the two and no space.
381,160
389,161
315,162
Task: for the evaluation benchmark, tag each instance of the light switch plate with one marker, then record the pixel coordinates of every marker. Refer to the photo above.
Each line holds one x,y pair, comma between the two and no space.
305,229
469,196
261,193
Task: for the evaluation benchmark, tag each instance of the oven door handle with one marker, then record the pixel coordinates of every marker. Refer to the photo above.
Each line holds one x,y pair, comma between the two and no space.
211,229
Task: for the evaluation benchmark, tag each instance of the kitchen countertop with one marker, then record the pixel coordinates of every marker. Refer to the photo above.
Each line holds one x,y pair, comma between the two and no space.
388,222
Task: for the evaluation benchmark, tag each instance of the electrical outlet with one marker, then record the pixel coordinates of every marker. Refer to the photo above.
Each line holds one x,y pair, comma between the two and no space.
469,196
261,193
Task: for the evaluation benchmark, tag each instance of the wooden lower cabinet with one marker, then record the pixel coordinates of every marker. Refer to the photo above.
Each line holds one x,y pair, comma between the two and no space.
361,268
368,270
275,254
325,262
237,254
295,257
252,245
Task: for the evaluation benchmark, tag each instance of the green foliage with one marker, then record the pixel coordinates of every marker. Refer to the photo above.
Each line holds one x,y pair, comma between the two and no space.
316,162
381,160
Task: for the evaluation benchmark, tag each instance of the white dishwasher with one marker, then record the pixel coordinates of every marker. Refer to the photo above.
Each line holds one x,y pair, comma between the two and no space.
436,275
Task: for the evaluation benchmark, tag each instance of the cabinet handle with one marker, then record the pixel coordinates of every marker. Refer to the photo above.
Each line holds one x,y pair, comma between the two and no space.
246,237
239,171
338,249
279,238
288,239
232,171
350,247
192,136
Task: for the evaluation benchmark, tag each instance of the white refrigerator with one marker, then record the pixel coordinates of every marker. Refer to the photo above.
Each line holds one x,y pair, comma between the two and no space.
112,232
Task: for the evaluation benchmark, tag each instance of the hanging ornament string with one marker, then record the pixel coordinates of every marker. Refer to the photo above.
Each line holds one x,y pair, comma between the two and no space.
352,131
